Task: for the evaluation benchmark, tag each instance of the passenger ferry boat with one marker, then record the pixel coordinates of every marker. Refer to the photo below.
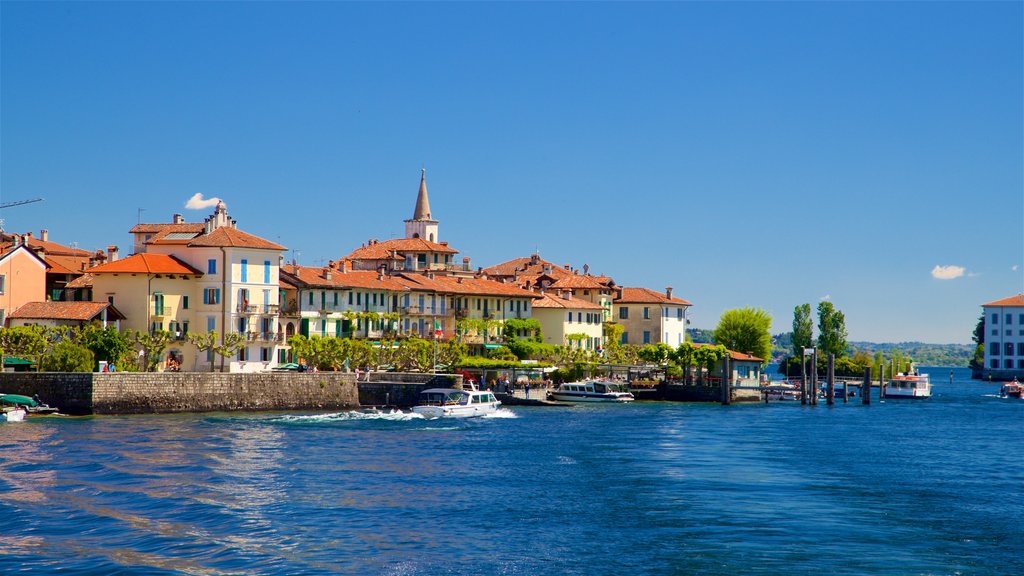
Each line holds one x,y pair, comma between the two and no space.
592,391
454,403
1012,390
908,386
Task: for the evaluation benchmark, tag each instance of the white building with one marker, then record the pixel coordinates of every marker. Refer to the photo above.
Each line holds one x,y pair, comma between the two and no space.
649,317
1004,338
238,291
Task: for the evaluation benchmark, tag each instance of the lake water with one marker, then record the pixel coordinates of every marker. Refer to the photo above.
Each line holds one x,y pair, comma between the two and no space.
898,487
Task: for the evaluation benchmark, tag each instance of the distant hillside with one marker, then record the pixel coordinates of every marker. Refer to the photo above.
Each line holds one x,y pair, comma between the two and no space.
921,353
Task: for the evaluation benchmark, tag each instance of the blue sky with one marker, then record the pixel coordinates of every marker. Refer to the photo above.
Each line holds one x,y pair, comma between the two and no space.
747,154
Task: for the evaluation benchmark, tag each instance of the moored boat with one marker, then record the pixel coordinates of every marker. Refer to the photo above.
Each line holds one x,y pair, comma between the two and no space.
592,391
454,403
908,386
12,414
32,406
785,391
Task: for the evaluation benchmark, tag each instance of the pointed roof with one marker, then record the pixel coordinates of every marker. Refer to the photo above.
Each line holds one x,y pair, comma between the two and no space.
422,202
230,237
146,263
1017,300
62,310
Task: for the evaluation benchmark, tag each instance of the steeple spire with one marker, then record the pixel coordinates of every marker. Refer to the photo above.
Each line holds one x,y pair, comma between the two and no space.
422,203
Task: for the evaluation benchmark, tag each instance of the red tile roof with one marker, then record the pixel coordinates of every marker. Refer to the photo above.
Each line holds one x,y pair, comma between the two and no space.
528,266
464,286
646,295
548,300
83,281
377,250
1017,300
734,355
146,263
579,281
196,227
49,247
83,311
230,237
313,277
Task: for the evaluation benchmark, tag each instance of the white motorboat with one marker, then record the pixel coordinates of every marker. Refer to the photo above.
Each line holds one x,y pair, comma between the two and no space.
13,414
783,391
454,403
592,391
908,386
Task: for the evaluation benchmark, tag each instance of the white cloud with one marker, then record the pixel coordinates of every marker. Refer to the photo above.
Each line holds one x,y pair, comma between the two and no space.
196,202
825,297
947,272
1014,268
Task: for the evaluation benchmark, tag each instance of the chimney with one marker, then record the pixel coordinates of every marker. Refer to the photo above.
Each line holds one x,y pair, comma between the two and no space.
668,292
566,266
547,269
327,273
534,258
44,235
566,294
112,253
178,219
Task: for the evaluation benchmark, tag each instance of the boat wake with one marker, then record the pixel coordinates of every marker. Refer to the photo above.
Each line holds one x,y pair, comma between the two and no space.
392,415
501,413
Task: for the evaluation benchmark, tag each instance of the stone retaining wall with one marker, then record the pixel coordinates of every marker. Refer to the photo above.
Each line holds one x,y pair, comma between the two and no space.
148,392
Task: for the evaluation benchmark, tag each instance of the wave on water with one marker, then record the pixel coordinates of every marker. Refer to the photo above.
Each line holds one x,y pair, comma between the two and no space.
392,415
502,413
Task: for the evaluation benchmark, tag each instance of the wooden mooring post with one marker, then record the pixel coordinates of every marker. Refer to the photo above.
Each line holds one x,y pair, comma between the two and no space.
814,377
726,374
865,393
803,378
830,381
881,382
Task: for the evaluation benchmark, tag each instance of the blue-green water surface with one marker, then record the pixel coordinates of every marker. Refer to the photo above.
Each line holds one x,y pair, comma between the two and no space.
898,487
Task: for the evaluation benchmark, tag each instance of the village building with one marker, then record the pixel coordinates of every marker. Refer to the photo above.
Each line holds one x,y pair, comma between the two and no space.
569,321
233,287
22,278
650,317
1004,338
64,263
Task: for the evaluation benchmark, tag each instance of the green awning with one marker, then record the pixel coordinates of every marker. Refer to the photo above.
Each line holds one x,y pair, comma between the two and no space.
17,399
12,361
493,346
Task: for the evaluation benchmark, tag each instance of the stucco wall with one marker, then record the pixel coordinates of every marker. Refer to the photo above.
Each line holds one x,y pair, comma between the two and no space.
141,393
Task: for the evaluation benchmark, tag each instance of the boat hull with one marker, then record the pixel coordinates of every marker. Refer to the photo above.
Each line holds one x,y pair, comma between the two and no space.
590,397
455,411
12,415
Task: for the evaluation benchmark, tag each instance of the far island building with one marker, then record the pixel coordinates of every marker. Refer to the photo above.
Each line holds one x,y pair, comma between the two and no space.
1004,339
650,317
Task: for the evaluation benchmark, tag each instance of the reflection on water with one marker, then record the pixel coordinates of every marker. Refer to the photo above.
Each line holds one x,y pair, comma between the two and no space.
911,487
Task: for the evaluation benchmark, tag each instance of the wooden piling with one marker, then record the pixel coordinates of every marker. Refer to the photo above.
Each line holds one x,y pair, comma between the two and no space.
830,384
726,392
803,380
881,382
814,377
865,391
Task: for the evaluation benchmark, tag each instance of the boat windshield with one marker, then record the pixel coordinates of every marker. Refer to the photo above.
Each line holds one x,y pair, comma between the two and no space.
441,398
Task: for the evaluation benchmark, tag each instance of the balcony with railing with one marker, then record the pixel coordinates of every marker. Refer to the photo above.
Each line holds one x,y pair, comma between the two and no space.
271,309
162,311
248,308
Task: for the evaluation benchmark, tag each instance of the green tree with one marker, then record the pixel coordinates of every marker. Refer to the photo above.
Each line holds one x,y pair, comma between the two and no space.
803,329
204,343
26,342
746,330
708,356
67,356
978,360
229,345
152,346
659,353
831,330
106,344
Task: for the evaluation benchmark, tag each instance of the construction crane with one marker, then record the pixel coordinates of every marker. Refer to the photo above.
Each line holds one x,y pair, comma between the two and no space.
19,203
